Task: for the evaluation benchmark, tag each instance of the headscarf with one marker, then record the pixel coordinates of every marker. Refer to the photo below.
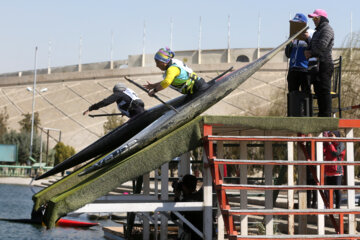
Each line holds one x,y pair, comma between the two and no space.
164,55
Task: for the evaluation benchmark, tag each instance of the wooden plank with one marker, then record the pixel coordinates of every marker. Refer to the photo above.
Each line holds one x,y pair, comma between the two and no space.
278,139
282,162
290,193
287,237
243,193
146,223
207,186
293,212
320,202
350,180
302,193
285,187
269,220
141,207
349,123
164,197
221,223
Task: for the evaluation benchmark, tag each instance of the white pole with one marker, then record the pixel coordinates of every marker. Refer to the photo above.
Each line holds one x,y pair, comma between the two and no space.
199,55
111,50
351,40
143,52
171,32
33,108
258,42
49,58
228,55
80,52
41,146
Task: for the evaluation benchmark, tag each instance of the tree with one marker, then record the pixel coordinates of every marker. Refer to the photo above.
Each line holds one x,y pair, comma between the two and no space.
62,152
4,117
112,123
25,123
22,140
350,84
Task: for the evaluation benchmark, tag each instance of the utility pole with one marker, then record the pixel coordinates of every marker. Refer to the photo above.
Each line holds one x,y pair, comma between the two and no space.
143,53
49,58
228,52
351,39
199,51
258,42
33,108
171,32
80,52
112,50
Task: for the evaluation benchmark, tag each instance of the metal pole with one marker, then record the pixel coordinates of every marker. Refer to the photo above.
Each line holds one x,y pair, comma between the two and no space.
171,31
143,52
41,143
228,55
258,42
80,52
49,58
33,107
47,146
199,54
351,40
111,51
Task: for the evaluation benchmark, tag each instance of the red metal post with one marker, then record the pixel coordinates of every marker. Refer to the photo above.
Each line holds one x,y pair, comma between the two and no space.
341,223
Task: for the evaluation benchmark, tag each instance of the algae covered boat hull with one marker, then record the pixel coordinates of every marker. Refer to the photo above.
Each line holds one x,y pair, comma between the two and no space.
119,135
197,104
114,138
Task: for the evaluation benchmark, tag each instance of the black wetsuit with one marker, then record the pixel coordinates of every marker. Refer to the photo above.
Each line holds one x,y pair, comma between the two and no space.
127,105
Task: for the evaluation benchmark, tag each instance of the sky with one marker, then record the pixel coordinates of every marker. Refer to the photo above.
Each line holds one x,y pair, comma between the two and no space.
57,26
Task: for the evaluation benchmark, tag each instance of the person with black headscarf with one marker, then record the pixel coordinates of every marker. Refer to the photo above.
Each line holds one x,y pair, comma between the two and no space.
320,47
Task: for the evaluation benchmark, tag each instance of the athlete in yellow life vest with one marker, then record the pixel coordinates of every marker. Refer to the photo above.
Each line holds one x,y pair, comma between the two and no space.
177,75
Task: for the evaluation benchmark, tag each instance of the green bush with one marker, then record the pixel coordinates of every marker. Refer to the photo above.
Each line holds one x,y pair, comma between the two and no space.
22,140
62,152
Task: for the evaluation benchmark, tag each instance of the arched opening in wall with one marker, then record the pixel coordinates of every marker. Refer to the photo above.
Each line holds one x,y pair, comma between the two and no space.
242,58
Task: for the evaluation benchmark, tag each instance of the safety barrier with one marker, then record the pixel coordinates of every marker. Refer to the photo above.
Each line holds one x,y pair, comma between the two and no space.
20,171
231,211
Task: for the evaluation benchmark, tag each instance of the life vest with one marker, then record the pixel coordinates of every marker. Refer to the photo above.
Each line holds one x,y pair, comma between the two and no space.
122,104
185,81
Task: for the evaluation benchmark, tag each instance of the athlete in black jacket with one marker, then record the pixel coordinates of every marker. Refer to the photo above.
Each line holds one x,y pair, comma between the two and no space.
128,103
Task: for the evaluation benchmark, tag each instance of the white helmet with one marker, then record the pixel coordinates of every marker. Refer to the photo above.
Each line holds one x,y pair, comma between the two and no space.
119,87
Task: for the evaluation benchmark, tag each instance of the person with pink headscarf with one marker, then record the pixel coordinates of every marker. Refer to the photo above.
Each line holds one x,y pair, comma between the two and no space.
320,47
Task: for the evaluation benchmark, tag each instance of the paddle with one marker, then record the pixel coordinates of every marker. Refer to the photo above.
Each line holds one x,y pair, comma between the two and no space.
347,108
144,89
105,115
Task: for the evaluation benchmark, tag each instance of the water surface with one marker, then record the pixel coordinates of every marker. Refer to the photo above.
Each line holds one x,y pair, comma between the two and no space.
16,202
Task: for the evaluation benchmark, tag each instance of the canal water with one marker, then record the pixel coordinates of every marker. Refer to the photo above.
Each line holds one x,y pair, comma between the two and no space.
16,202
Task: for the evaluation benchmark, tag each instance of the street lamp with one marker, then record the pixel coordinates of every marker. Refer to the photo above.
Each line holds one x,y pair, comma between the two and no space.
32,115
33,107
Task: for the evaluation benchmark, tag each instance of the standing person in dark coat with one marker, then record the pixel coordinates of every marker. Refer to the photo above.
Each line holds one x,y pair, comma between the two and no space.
320,47
128,103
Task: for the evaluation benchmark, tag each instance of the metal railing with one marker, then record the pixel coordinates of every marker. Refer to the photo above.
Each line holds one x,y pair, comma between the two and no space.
20,171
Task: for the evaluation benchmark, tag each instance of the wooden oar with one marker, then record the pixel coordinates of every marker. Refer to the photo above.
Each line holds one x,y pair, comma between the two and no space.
144,89
105,115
